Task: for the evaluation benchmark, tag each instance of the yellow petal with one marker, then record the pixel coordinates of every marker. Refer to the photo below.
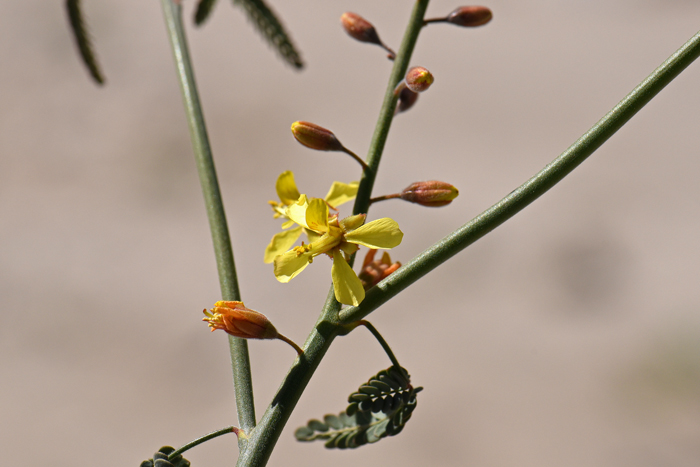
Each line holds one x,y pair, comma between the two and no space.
288,265
347,287
341,193
297,211
382,233
287,224
281,242
287,188
317,215
351,223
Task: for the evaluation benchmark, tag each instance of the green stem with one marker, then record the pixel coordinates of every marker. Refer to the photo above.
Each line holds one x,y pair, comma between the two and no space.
382,342
386,114
240,362
198,441
262,440
530,190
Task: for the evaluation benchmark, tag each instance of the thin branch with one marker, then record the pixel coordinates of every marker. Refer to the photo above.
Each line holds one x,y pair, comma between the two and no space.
240,361
530,190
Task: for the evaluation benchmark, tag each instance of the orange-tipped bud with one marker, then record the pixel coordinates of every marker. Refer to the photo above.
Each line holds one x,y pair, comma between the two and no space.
315,137
359,28
406,100
374,271
418,79
470,16
431,193
239,321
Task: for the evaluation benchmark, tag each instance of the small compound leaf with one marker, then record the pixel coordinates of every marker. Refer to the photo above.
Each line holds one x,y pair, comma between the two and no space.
82,39
160,459
382,413
203,10
271,29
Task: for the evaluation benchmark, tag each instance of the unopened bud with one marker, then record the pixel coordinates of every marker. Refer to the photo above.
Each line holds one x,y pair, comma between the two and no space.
359,28
470,16
431,193
406,100
418,79
315,137
239,321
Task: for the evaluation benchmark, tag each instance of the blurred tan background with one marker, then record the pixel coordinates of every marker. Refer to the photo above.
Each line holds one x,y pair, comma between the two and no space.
569,336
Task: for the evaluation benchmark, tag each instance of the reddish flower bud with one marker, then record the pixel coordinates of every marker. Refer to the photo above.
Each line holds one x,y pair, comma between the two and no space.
431,193
374,271
315,137
359,28
470,16
406,100
418,79
239,321
362,30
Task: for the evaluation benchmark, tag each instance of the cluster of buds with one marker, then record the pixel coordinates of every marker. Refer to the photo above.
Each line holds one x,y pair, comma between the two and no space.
318,138
239,321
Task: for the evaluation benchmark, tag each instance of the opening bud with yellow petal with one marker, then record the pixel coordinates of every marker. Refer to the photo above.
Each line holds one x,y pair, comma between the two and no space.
432,193
465,16
418,79
239,321
316,137
362,30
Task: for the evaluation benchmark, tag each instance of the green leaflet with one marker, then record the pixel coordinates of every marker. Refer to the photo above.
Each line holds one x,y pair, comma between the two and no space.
201,14
270,27
379,408
82,38
160,459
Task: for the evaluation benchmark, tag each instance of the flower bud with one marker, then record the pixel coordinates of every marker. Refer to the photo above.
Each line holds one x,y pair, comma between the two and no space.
239,321
470,16
406,100
315,137
418,79
374,271
431,193
362,30
359,28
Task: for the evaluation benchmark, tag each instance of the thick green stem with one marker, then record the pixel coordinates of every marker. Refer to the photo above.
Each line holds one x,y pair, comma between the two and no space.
530,190
240,362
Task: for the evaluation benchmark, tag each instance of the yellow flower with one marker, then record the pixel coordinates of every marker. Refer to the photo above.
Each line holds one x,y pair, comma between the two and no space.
337,239
289,194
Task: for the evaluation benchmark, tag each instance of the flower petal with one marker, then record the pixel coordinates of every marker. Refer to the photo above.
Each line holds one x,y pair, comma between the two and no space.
341,193
297,211
287,188
280,243
288,265
317,215
347,287
382,233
